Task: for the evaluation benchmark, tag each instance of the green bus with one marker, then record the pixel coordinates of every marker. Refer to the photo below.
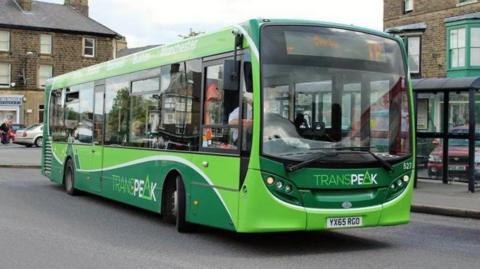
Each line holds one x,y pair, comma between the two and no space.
265,126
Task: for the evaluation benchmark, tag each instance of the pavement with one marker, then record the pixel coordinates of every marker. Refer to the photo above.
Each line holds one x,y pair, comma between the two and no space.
454,199
431,196
18,156
42,227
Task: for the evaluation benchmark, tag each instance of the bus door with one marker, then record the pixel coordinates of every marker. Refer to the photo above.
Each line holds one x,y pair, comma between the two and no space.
220,139
97,147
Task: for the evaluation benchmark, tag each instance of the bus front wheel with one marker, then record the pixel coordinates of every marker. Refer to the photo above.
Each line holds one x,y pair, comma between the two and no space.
174,205
183,226
69,178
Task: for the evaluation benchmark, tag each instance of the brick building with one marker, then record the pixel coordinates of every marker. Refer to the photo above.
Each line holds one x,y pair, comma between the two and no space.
442,37
443,44
39,40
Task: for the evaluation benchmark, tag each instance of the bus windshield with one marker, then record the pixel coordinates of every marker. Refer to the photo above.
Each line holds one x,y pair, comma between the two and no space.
333,93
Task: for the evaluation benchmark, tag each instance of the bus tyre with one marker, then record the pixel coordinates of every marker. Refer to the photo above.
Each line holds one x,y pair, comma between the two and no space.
168,202
183,226
69,179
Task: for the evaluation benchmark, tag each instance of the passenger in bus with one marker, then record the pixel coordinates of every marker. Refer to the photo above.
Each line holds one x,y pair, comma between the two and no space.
300,122
212,97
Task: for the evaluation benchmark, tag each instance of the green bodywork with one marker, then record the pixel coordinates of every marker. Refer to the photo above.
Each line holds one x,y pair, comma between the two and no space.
216,195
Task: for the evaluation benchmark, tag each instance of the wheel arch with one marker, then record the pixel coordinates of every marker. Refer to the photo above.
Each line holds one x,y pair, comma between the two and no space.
170,176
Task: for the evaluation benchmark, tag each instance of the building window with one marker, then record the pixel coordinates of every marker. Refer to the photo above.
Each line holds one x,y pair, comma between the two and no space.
4,75
4,41
408,5
457,48
45,72
414,50
41,110
45,44
89,47
466,2
475,46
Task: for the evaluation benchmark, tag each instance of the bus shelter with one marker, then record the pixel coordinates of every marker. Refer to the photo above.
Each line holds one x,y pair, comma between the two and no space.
448,129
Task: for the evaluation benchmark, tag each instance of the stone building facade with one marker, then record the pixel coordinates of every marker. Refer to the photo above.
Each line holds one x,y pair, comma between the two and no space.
441,36
33,49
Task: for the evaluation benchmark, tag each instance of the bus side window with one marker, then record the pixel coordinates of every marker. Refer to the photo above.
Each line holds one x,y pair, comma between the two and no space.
85,126
116,110
180,94
72,114
56,117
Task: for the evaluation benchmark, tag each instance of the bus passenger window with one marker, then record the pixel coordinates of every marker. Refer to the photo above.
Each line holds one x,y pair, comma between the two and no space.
57,118
144,112
220,129
85,126
116,110
180,106
72,113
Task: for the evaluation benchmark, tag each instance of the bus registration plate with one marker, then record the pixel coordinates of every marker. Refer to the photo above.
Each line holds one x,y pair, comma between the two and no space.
344,222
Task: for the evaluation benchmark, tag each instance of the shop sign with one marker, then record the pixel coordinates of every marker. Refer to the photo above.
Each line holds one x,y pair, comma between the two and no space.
11,100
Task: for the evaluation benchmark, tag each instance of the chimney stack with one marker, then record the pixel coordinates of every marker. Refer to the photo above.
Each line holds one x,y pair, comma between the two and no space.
26,5
79,5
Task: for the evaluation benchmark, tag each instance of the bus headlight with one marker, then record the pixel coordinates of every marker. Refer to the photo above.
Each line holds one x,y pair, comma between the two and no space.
398,186
288,188
282,189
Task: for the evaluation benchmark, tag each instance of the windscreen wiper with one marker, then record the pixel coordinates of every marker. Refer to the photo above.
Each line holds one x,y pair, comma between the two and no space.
295,167
386,165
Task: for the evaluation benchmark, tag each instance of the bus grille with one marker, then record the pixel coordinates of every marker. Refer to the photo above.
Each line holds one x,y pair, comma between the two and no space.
47,163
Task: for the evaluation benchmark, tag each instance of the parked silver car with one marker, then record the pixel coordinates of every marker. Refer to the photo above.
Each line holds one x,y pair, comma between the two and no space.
30,136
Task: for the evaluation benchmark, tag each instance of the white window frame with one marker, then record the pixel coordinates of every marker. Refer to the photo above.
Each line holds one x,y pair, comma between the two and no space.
7,85
466,2
7,41
474,61
461,51
85,47
416,54
43,38
408,5
40,78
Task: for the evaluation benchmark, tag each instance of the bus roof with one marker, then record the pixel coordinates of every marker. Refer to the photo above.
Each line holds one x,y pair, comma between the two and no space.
213,43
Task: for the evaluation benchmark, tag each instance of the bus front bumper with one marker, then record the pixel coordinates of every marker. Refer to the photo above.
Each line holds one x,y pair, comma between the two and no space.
260,211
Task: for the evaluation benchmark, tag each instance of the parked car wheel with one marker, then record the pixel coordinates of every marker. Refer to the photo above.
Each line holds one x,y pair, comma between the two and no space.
39,142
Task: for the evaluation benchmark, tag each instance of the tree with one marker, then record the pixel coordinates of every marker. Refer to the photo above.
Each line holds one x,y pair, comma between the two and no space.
191,34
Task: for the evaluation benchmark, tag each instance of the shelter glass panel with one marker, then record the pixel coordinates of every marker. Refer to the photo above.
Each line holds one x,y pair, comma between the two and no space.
430,108
430,158
458,113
